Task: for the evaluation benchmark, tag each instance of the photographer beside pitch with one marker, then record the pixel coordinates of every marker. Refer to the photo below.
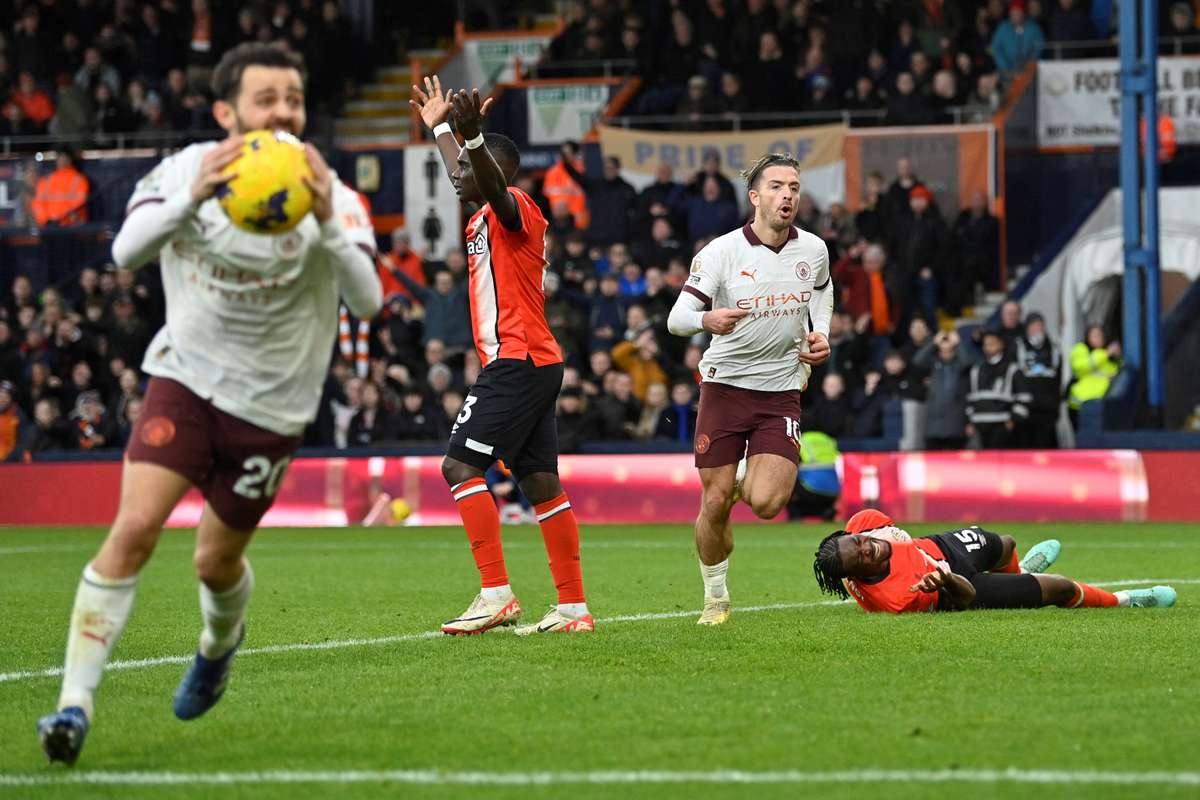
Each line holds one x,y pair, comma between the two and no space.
885,569
236,374
764,291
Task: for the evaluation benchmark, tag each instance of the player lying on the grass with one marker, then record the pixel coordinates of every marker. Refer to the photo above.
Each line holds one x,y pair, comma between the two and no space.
236,376
510,411
765,293
885,569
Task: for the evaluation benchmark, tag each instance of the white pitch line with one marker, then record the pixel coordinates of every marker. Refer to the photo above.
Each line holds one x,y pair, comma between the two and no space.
1146,582
609,777
337,644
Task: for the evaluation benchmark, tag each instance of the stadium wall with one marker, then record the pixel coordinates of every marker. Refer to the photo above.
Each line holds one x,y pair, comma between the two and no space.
1034,486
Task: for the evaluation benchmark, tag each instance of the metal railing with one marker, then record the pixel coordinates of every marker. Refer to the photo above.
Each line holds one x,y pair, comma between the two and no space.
579,68
767,119
1107,48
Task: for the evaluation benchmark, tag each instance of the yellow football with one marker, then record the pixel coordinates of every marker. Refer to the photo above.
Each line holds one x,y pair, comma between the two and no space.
266,193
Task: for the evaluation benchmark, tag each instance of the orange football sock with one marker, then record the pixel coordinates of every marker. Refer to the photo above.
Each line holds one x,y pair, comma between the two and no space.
561,533
1091,597
1013,565
482,521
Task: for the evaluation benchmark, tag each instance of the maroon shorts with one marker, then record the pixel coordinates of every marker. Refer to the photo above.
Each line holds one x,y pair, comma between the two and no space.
730,418
237,466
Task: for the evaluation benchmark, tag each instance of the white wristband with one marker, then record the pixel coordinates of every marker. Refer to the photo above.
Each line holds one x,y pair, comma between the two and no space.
476,143
442,127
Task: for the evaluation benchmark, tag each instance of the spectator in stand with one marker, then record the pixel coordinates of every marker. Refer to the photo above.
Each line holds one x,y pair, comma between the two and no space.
413,421
871,219
51,432
900,57
849,347
568,202
946,96
677,421
633,283
1071,23
1016,40
370,424
986,92
35,104
709,215
830,412
1040,384
95,72
906,106
447,310
660,247
946,364
992,407
11,364
62,195
127,418
1011,330
698,102
94,426
599,365
658,298
14,427
129,335
610,199
31,46
401,258
73,114
919,335
977,240
1094,363
899,380
922,73
14,122
112,115
655,402
863,97
710,167
922,248
897,201
837,228
572,420
732,99
608,314
616,410
657,199
640,358
808,215
866,404
575,265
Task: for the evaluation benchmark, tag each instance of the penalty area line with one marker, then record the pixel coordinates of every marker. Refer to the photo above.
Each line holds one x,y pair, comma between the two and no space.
338,644
1011,775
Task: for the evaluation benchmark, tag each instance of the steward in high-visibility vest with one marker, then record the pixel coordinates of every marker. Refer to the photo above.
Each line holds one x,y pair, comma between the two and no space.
1094,368
62,196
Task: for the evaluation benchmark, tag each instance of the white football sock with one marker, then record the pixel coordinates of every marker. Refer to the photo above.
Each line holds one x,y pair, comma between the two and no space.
714,579
497,594
223,613
573,610
102,607
1122,598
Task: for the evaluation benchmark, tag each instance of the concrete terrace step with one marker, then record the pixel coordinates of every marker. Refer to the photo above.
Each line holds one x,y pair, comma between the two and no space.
371,140
360,109
386,92
373,126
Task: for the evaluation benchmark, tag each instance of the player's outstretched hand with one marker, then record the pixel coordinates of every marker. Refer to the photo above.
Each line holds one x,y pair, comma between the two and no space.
931,582
214,161
818,349
429,102
320,184
469,111
722,320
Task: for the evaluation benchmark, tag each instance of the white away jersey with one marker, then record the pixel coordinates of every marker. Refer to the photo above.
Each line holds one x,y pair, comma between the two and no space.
738,271
251,318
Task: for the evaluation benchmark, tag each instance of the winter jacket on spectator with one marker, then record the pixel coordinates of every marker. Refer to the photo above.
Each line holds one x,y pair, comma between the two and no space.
1041,375
1070,26
677,423
1012,47
14,427
709,217
447,311
831,416
945,391
607,319
992,405
611,201
977,239
640,360
867,406
613,418
367,428
1093,369
414,426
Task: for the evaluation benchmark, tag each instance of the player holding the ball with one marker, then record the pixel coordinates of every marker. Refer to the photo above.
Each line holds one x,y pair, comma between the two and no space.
509,412
236,373
765,293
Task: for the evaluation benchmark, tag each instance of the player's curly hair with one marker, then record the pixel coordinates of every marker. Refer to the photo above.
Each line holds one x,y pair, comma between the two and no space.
755,171
827,566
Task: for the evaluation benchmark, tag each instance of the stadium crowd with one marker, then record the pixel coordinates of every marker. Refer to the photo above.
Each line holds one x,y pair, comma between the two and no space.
90,68
910,62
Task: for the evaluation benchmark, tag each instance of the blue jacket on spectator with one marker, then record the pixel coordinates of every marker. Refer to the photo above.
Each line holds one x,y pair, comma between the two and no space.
633,288
607,312
1012,48
447,316
709,218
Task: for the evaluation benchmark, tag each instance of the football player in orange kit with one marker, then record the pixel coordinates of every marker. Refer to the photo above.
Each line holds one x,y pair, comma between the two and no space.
885,569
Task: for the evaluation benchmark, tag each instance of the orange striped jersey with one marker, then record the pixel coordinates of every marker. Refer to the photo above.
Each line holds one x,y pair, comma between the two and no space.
508,305
909,562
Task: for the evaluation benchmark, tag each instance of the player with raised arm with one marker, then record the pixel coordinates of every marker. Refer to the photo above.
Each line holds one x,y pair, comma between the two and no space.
885,569
236,374
509,412
765,293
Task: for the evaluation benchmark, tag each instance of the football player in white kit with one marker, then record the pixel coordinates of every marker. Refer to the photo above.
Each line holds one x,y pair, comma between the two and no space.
236,374
764,292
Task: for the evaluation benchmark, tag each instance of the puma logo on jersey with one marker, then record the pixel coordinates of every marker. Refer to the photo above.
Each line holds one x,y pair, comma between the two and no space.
752,274
478,245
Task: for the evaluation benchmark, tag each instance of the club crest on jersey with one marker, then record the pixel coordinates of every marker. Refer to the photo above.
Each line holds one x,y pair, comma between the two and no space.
803,271
477,245
288,245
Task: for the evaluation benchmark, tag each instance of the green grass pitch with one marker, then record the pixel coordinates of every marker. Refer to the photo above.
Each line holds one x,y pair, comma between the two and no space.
813,687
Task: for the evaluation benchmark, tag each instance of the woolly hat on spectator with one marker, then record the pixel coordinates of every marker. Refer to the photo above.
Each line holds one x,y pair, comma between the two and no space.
1017,5
1034,316
920,190
867,520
